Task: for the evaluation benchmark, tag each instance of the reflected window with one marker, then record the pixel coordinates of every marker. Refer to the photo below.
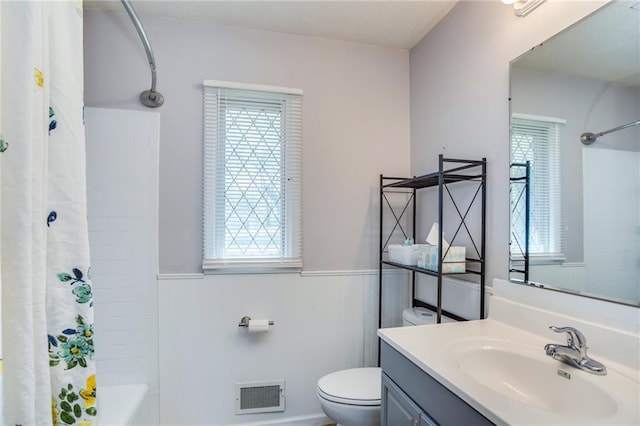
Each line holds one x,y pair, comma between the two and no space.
536,140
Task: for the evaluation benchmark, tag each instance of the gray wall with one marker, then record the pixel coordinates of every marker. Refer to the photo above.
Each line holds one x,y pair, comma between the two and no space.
459,95
355,124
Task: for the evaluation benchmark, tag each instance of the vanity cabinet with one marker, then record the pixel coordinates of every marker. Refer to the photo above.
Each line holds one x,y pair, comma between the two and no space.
400,410
412,397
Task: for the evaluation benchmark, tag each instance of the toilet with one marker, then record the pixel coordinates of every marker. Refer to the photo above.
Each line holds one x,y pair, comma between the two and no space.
352,397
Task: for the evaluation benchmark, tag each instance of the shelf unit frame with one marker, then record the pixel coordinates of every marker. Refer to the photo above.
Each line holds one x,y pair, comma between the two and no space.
521,186
450,171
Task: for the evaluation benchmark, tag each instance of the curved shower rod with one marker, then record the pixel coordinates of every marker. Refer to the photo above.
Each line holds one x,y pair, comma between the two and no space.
589,138
150,97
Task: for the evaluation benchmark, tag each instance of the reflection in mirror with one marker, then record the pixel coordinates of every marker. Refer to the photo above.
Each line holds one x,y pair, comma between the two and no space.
575,207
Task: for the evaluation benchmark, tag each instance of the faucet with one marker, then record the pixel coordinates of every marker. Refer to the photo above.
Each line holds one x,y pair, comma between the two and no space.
575,352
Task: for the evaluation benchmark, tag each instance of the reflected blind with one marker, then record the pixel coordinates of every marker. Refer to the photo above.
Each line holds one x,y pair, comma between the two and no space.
252,177
537,140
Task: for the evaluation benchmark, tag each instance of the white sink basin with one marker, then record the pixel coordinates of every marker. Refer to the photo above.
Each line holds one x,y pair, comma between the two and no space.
528,376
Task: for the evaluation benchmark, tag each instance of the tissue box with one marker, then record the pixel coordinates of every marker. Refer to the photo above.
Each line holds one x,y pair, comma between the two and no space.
405,255
454,260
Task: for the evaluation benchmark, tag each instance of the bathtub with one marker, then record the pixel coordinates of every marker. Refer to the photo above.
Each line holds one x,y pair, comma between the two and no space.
117,405
120,405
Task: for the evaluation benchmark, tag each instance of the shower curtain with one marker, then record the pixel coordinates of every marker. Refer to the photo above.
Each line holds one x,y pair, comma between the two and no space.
47,304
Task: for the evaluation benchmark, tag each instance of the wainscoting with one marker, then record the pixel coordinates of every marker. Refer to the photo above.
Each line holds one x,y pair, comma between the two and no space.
324,322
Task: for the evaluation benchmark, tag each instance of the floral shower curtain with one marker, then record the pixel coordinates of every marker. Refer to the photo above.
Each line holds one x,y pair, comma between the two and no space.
47,306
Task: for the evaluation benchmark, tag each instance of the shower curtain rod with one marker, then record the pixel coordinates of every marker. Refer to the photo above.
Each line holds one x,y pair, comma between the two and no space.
589,138
150,97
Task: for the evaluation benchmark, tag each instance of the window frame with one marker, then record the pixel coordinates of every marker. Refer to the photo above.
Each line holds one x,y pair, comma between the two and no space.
289,102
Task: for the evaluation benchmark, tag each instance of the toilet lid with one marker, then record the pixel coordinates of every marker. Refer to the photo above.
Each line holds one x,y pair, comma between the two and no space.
356,386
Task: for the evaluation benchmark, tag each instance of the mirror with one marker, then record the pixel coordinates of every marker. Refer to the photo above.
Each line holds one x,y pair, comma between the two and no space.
575,208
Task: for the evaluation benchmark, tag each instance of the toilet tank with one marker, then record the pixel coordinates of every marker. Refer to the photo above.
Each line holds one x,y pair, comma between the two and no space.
420,316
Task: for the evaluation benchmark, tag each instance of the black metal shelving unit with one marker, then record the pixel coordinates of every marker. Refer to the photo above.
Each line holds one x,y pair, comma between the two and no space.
520,194
450,172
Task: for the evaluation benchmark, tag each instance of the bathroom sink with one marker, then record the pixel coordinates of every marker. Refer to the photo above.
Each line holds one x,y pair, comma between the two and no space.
503,373
525,375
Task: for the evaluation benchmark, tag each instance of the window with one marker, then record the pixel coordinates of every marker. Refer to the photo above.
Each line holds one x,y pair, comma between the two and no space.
536,139
252,178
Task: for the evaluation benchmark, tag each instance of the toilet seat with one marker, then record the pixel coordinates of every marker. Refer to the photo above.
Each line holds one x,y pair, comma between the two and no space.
356,386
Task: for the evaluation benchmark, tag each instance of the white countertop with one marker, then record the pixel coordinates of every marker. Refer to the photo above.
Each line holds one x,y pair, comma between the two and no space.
431,348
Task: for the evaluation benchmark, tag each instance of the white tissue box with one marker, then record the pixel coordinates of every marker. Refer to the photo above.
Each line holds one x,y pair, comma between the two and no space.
405,255
453,262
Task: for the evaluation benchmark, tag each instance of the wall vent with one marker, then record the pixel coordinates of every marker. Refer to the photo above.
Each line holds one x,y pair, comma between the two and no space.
259,397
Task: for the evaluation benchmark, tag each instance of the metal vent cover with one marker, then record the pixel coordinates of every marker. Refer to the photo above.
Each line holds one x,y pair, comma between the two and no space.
260,397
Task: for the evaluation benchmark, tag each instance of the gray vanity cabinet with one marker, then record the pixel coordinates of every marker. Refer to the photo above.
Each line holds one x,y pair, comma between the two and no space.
400,410
412,397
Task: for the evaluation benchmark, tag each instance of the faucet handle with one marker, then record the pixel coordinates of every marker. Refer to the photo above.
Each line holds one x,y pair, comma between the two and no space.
574,337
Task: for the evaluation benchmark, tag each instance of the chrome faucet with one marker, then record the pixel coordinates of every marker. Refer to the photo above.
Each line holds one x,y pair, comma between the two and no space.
575,352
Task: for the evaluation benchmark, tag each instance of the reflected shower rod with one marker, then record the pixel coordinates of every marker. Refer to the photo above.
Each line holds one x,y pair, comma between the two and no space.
589,138
151,97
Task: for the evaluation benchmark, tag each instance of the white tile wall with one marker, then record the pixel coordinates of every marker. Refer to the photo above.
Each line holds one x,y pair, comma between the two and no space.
122,196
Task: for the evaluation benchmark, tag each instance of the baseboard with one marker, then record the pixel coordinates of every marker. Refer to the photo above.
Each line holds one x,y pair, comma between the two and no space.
311,420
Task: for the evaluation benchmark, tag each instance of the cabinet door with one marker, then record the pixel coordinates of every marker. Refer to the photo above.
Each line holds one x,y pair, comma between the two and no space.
426,420
397,408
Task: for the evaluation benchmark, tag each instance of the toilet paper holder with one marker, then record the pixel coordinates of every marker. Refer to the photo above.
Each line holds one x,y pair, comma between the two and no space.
244,321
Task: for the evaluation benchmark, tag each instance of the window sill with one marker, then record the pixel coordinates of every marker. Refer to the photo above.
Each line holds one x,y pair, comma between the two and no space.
262,266
542,259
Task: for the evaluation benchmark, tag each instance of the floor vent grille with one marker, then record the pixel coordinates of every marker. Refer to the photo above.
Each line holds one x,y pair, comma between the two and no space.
259,397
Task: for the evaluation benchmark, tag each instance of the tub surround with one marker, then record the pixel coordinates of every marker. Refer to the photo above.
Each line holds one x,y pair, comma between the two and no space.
618,349
122,193
120,405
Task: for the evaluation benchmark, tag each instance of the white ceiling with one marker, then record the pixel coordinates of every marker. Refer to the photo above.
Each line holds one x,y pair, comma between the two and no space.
604,46
389,23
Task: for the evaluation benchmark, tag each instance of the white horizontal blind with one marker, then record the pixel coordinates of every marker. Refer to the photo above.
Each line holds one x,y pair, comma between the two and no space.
537,140
252,178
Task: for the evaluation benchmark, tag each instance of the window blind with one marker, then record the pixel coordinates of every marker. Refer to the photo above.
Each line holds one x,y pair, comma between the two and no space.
252,177
537,140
